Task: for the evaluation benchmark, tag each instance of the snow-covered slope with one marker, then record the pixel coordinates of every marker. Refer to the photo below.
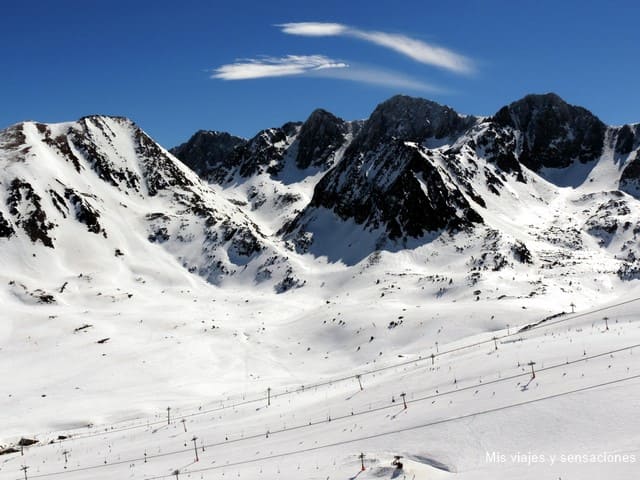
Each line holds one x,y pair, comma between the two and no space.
338,378
99,196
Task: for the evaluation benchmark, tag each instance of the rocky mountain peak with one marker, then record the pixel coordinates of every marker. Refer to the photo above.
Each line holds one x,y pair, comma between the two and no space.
207,150
411,119
320,135
553,133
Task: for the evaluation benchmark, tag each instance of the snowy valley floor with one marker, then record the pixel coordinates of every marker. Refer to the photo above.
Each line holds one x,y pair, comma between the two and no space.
340,366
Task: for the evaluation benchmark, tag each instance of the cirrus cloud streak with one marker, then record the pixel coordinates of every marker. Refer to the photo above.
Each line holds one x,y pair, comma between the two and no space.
415,49
317,66
275,67
380,77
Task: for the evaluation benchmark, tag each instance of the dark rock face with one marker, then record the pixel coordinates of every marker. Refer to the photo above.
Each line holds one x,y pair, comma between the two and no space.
25,205
6,230
522,253
553,133
411,119
84,212
59,202
207,151
627,139
498,146
320,136
394,188
231,156
630,178
387,182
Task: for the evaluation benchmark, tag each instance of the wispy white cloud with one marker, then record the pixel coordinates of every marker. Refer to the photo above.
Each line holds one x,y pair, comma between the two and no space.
318,66
314,29
275,67
380,77
416,49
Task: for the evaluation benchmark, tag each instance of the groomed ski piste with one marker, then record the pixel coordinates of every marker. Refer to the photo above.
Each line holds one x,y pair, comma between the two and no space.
548,396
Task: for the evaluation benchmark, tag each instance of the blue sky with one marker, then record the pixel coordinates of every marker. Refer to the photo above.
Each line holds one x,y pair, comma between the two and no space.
154,61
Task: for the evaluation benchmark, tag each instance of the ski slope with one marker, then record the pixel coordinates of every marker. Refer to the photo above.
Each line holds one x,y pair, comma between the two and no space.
473,398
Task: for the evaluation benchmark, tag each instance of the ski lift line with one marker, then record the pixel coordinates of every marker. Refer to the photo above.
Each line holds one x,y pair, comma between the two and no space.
402,430
427,397
419,399
540,324
343,417
350,377
291,428
520,332
413,361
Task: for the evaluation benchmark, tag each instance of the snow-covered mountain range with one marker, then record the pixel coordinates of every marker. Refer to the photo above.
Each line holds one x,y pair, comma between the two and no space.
133,278
541,180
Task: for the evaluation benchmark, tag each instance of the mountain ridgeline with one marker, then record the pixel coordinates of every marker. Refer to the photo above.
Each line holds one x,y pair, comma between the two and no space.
416,167
540,183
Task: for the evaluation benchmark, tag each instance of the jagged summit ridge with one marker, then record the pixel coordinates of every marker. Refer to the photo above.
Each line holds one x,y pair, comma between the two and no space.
412,175
416,169
103,183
